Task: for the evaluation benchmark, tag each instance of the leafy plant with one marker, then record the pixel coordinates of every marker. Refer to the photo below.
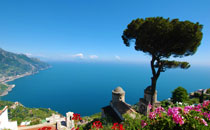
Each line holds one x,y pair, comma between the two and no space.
179,95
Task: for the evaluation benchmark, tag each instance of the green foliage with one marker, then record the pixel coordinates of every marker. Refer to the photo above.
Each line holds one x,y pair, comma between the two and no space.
163,37
192,101
166,103
21,113
196,94
3,87
35,121
97,115
107,123
5,103
179,95
92,117
172,64
26,114
208,91
135,106
132,123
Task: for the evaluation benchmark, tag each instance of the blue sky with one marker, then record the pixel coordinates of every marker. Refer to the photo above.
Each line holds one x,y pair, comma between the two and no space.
90,30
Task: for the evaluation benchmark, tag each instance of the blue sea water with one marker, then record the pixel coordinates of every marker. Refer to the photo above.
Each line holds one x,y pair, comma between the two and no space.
86,87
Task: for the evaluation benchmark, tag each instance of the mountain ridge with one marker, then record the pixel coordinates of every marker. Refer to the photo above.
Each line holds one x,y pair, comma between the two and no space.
12,64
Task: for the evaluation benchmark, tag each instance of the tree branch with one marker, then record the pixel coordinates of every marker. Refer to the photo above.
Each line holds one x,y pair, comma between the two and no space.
160,68
152,66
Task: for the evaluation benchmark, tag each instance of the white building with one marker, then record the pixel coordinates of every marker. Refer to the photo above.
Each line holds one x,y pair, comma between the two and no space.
62,123
25,123
4,122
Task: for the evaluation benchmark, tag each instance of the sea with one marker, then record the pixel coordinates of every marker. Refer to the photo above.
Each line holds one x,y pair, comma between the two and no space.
85,88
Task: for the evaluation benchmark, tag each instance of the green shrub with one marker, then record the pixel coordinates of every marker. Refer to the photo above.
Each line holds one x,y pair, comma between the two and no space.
208,91
179,95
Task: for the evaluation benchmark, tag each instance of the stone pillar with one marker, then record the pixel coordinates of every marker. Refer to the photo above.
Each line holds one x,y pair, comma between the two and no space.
69,121
144,106
58,125
144,102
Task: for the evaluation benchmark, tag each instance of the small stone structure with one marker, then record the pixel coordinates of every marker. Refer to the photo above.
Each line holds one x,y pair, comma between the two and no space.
62,123
69,121
144,102
117,106
118,95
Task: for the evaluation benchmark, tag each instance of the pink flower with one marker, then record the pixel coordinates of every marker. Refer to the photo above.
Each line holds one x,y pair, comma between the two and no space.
197,108
204,122
178,119
152,115
206,114
159,110
187,109
196,117
143,123
206,103
150,106
174,110
201,120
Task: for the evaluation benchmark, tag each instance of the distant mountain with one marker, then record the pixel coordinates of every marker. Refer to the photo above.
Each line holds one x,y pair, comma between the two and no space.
12,64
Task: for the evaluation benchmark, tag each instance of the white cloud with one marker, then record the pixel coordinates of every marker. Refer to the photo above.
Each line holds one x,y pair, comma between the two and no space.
28,54
40,56
93,56
117,57
80,55
36,55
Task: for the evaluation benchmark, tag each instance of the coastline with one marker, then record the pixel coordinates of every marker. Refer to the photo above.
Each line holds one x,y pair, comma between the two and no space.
5,80
10,87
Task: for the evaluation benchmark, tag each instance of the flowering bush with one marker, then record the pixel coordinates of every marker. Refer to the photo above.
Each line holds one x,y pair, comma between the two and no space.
182,117
76,117
97,125
117,126
178,117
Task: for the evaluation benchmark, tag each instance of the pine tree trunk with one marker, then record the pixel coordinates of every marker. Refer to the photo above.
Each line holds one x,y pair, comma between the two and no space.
154,81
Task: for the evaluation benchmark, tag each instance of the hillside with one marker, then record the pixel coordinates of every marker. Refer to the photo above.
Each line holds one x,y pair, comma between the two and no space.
18,112
12,64
3,87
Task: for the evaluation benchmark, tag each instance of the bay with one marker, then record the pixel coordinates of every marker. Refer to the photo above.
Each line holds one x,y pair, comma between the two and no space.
87,87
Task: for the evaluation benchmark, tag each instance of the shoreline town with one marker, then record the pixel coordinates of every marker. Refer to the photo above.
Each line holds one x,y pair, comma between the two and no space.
4,80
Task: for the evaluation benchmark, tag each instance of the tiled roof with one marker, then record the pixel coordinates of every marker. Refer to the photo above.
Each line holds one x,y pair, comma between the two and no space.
118,90
123,107
109,112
